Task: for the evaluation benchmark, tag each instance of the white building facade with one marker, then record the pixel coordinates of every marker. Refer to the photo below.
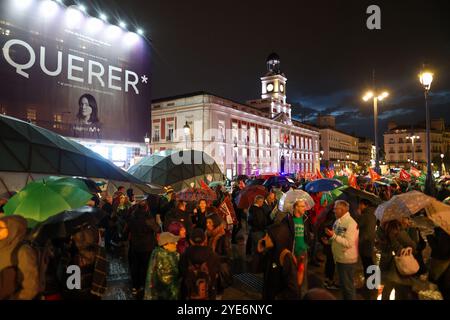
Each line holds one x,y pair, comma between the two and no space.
253,138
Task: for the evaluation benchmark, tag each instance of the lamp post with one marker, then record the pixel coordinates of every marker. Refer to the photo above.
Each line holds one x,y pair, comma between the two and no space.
426,78
348,157
442,165
147,142
376,98
187,132
235,148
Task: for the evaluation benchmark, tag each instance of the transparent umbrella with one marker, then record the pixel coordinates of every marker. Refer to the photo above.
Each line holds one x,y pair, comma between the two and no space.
288,199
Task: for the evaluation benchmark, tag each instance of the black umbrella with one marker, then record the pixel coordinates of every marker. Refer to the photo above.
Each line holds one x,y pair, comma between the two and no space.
360,194
67,223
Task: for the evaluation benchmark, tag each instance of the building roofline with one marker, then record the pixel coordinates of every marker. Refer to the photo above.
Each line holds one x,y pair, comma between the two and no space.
342,132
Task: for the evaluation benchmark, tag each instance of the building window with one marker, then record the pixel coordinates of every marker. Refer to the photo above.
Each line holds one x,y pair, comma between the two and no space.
253,154
267,137
244,133
252,135
221,127
31,115
303,143
234,131
297,141
310,143
244,153
156,133
170,131
222,151
260,136
57,121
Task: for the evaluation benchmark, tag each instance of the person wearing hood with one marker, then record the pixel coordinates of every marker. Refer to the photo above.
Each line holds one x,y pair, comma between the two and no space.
178,229
19,270
280,270
163,276
199,254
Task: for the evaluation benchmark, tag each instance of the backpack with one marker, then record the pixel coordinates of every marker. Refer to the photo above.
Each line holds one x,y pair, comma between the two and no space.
198,281
11,277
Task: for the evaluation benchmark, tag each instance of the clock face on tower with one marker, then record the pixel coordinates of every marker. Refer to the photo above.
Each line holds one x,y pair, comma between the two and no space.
281,88
269,87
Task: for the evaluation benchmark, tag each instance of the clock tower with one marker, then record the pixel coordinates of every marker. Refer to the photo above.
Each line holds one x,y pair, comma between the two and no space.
273,91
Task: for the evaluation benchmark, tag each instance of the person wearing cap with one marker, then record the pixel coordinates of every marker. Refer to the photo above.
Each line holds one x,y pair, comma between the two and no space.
163,277
197,254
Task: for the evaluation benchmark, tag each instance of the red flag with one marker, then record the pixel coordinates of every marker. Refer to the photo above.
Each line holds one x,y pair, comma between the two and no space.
330,174
226,211
318,174
203,185
405,176
373,175
415,172
352,181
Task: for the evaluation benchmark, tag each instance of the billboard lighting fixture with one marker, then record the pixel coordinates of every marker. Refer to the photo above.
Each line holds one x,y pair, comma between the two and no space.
122,24
103,17
140,32
48,8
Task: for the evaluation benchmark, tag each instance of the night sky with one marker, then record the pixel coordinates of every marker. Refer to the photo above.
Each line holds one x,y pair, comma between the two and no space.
326,51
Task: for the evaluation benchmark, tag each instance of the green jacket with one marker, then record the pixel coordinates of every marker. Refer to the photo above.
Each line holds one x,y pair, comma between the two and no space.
163,278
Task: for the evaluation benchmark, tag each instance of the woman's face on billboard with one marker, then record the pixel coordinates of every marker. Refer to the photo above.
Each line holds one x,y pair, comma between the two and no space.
86,109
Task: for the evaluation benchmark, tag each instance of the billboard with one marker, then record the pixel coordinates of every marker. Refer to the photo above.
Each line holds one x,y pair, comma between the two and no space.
72,73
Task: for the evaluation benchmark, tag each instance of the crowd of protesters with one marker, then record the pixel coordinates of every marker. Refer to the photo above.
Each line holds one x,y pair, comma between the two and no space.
180,249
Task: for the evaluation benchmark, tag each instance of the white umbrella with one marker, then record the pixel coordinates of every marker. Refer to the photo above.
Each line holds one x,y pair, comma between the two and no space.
403,205
439,213
289,198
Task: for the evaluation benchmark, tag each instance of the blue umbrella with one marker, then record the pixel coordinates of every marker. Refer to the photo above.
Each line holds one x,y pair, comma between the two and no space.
323,185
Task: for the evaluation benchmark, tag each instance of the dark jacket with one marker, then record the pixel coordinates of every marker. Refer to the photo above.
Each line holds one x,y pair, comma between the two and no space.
289,220
218,242
440,244
257,219
142,229
367,227
198,255
268,208
180,216
387,245
199,218
280,279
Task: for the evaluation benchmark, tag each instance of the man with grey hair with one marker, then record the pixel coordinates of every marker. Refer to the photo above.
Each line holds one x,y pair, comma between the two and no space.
258,222
344,245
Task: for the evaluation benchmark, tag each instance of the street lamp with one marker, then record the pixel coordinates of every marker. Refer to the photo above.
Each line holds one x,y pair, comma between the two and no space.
187,132
442,165
426,78
376,97
147,142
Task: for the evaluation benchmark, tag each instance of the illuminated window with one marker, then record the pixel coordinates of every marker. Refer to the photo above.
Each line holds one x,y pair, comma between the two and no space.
261,136
156,133
170,131
222,151
252,135
57,120
244,133
234,131
221,127
267,136
244,153
303,143
31,115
